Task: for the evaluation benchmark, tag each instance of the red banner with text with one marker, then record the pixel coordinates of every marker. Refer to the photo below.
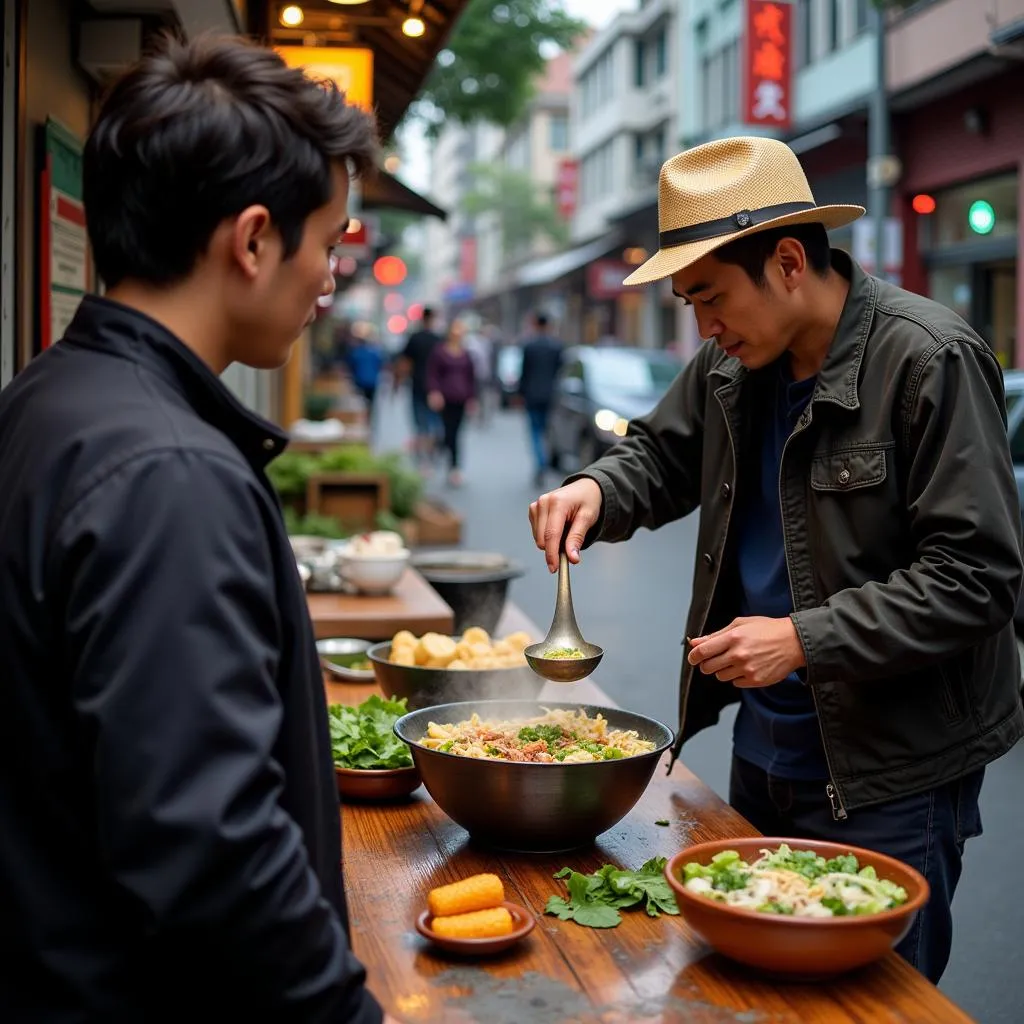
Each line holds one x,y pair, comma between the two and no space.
767,62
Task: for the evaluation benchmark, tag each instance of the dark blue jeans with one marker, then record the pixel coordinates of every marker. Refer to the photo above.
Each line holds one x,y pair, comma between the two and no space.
537,416
926,831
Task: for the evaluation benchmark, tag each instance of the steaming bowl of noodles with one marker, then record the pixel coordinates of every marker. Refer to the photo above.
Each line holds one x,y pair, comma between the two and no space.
533,775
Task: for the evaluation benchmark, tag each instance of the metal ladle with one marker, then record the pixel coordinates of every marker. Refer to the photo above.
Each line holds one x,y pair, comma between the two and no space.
563,633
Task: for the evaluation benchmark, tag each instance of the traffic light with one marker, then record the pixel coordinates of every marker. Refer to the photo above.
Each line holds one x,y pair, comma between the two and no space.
981,217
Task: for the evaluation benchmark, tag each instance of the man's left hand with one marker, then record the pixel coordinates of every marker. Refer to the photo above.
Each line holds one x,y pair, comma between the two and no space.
749,652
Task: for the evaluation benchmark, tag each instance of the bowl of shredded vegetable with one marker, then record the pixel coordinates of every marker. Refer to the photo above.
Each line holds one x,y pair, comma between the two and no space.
796,907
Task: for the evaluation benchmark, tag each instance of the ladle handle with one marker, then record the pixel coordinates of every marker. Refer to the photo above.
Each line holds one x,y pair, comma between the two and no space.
564,622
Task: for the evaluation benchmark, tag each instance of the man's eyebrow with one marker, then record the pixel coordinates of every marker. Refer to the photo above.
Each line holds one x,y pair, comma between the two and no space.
701,286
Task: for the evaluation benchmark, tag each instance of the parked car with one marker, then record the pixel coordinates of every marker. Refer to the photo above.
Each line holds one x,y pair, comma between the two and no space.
599,391
509,369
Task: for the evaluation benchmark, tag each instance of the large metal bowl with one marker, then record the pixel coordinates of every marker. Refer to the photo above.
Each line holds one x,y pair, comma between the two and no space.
532,807
424,687
473,583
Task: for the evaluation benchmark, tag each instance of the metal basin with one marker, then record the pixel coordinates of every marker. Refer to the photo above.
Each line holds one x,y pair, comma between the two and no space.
425,687
536,808
473,583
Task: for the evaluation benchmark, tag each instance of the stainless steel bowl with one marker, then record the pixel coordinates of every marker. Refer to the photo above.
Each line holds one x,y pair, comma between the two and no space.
424,687
342,646
532,807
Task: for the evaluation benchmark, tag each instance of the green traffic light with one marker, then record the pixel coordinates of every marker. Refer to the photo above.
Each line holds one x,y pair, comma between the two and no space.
981,217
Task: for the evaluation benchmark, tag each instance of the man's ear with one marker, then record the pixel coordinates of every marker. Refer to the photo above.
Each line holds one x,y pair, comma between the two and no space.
791,260
250,236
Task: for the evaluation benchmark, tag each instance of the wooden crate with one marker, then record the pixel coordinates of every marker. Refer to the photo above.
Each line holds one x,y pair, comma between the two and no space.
436,523
354,499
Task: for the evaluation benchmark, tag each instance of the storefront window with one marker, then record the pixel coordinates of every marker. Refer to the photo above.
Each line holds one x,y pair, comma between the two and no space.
975,212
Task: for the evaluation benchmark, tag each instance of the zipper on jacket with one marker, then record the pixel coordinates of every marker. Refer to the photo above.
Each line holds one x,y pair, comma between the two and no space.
678,745
831,790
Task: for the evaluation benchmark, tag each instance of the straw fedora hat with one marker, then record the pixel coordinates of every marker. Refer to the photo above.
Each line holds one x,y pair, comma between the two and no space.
713,194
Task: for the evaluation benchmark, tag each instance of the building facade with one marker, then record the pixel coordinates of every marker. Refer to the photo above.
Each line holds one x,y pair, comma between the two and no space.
956,71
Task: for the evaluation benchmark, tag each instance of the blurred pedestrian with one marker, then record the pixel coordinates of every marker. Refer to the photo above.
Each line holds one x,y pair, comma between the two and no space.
365,360
542,359
412,363
451,391
480,347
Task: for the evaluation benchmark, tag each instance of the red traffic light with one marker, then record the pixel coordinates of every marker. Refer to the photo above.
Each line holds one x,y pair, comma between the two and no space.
923,203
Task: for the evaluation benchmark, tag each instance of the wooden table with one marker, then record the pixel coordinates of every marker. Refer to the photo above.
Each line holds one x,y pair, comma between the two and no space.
413,604
644,971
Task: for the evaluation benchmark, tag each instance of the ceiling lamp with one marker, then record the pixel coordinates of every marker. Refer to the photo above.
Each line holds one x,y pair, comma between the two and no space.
292,16
348,3
413,27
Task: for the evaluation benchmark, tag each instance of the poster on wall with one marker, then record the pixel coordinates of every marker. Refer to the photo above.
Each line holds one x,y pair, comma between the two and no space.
63,243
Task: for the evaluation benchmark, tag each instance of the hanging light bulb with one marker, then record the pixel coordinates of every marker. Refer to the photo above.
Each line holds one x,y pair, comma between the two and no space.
413,27
292,16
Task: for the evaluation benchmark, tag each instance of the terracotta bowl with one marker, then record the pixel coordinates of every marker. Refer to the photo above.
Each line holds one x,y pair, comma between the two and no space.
368,784
522,924
802,947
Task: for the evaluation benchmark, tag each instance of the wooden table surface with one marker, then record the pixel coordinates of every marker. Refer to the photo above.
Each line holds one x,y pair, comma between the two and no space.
644,971
413,604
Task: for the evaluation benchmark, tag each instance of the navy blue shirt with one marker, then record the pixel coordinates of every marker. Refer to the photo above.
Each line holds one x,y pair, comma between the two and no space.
777,726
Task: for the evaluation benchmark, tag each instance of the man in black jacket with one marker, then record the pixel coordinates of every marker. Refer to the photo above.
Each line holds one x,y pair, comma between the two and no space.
542,359
859,539
167,806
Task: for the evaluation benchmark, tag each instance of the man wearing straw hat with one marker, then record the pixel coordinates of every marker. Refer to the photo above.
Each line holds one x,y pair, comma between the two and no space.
859,546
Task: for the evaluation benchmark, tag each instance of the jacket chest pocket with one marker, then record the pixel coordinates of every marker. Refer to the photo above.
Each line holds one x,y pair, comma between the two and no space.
850,469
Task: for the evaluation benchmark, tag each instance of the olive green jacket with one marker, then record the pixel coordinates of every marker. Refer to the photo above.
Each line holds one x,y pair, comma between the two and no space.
902,531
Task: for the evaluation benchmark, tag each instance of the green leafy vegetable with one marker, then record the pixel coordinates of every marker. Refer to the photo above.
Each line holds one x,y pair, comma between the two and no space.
662,821
595,900
363,736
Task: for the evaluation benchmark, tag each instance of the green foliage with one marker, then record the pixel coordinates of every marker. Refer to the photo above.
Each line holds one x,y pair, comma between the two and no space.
313,525
524,212
494,57
290,472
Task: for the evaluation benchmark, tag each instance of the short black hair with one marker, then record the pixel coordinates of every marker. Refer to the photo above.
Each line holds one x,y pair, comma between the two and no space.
428,313
752,252
540,319
197,131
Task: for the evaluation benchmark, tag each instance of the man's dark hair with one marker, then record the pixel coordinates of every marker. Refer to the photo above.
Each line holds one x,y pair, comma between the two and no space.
195,133
428,314
540,319
753,251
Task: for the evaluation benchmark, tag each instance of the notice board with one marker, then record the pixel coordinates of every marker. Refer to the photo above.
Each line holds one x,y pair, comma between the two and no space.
63,243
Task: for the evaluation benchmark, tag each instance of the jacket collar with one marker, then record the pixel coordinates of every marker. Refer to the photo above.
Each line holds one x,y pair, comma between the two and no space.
103,325
838,377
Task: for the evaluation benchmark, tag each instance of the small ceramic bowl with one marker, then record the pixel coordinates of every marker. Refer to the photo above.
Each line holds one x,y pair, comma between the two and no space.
522,924
337,653
803,948
370,784
373,574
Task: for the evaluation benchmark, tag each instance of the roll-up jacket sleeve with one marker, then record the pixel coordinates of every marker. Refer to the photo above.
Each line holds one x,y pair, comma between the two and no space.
166,586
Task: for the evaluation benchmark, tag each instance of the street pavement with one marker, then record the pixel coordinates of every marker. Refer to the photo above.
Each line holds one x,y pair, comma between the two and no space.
631,599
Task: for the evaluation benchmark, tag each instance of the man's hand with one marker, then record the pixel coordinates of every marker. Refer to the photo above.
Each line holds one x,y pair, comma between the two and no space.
576,505
435,400
749,652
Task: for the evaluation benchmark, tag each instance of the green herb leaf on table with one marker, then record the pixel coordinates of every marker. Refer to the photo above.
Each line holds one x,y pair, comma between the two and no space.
595,900
363,736
662,821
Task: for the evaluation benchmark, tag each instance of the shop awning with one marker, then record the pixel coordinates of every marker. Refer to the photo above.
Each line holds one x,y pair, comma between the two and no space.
553,267
384,191
400,63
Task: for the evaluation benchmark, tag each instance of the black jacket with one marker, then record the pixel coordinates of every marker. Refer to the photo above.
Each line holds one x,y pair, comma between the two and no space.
542,359
902,531
169,829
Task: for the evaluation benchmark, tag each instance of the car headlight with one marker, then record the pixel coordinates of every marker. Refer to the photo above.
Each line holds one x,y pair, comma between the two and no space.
610,422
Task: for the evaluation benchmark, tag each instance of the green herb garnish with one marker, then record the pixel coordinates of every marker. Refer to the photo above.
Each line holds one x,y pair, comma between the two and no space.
364,737
595,900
